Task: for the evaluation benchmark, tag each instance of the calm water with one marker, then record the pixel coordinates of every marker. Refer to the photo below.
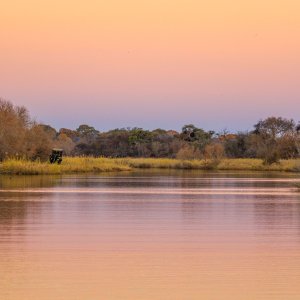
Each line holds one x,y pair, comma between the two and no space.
149,235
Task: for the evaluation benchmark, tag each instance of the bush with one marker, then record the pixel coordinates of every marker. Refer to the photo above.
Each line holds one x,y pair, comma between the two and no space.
214,151
271,157
188,152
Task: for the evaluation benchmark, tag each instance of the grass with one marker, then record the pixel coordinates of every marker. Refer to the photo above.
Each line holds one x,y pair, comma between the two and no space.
97,165
69,165
168,163
291,165
224,164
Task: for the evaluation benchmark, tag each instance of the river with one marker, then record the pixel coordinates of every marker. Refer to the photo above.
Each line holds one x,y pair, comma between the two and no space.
150,235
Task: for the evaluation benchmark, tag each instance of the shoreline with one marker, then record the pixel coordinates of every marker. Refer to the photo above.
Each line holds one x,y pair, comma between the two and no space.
81,165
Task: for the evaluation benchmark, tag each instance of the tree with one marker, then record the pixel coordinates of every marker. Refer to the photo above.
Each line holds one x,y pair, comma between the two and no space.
275,138
38,143
113,143
65,143
14,121
139,141
72,134
237,146
87,133
274,128
188,152
214,151
196,136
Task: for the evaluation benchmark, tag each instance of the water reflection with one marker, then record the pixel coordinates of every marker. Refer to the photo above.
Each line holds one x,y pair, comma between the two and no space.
150,235
11,182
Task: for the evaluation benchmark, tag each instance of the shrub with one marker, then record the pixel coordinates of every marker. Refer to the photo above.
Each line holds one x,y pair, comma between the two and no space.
214,151
188,152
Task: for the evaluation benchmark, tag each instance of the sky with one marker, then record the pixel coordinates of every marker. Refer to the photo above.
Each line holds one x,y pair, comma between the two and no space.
153,64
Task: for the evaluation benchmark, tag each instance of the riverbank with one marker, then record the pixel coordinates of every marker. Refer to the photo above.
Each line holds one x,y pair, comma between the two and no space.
292,165
70,165
96,165
239,164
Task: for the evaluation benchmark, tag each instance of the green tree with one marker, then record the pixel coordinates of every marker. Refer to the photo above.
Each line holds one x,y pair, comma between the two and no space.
87,134
198,137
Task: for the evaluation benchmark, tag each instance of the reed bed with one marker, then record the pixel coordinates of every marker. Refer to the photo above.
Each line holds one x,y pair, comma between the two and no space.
69,165
97,165
292,165
168,163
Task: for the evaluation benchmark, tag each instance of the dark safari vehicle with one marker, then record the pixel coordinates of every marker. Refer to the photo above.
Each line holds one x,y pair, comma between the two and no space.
56,156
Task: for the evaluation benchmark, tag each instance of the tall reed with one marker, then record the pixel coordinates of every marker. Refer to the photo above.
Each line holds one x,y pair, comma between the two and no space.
96,165
69,165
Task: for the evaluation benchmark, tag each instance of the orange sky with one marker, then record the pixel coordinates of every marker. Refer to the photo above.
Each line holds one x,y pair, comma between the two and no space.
151,63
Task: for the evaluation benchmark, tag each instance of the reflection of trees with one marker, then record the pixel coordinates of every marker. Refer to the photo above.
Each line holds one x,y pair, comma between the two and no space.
20,182
16,210
16,207
12,212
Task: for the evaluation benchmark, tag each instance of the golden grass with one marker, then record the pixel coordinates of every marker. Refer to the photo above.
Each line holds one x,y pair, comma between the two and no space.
168,163
97,165
69,165
292,165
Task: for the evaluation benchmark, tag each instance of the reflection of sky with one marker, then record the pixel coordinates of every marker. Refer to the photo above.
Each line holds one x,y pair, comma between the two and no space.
63,237
192,211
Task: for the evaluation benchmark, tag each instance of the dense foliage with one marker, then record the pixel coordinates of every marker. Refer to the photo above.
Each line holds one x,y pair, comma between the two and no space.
271,139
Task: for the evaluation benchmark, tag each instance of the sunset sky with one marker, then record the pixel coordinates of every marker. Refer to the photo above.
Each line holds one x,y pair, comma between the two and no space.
218,64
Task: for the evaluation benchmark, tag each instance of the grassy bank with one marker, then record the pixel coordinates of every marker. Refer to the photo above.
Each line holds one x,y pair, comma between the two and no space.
292,165
68,166
97,165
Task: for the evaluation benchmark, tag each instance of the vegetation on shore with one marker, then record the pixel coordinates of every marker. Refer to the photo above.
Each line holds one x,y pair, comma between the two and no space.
272,140
239,164
69,165
97,165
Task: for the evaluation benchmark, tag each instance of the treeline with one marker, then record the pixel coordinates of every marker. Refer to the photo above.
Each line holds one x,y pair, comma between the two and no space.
271,139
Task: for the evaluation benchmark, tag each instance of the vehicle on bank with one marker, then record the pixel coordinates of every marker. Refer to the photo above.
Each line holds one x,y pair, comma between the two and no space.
56,156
